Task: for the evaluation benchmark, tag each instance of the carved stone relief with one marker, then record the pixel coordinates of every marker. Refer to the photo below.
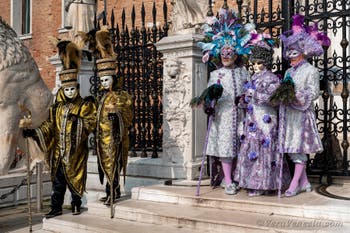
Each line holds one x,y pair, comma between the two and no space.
177,93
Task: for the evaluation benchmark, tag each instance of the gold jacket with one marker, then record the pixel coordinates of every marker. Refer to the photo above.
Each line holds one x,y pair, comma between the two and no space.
64,138
112,139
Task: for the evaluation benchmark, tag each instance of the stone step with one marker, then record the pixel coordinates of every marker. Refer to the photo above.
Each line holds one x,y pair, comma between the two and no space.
305,205
177,209
88,223
211,220
131,180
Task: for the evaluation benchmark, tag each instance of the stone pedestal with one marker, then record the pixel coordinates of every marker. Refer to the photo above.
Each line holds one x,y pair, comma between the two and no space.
184,77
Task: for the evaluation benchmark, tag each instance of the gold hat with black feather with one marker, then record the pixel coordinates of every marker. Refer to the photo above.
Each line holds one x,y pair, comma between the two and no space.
106,65
70,56
100,43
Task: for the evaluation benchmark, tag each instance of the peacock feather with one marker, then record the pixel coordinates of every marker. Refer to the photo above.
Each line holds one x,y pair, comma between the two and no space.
285,93
213,92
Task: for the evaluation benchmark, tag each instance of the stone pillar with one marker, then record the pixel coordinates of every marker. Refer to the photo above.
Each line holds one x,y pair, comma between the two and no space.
184,77
55,60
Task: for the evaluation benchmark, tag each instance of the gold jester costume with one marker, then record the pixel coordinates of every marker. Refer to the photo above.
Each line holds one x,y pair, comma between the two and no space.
64,138
114,116
64,135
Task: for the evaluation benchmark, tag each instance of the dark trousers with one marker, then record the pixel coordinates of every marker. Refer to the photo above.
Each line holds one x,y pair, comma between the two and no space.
59,187
116,186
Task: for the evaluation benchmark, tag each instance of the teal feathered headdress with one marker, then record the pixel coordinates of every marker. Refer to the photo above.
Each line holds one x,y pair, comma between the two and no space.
222,32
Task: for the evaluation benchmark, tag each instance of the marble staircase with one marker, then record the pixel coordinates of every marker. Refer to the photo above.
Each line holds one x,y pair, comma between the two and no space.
175,208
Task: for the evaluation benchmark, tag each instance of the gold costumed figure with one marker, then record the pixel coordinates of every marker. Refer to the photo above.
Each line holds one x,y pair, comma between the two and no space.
64,137
114,116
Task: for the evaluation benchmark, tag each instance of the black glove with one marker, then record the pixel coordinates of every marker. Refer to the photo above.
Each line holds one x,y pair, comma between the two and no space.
28,133
112,116
208,108
209,111
238,99
72,117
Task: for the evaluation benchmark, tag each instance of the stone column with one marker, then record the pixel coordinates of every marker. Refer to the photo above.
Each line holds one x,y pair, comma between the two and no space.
184,77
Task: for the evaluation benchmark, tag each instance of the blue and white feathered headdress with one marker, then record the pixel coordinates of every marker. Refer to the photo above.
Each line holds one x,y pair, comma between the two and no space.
224,31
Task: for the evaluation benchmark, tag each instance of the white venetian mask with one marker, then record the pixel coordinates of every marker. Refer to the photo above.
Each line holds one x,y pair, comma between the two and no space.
70,91
292,53
106,82
258,66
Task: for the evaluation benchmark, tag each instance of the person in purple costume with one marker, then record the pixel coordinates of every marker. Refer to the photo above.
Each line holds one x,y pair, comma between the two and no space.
257,164
298,134
224,46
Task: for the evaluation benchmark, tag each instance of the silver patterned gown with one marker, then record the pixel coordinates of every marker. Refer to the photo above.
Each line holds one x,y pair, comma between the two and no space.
258,160
223,139
298,131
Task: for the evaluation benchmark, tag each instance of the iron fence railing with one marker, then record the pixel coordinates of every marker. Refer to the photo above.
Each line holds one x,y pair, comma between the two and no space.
140,66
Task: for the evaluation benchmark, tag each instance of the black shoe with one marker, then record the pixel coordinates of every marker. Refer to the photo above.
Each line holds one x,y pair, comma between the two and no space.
53,213
103,199
77,210
108,201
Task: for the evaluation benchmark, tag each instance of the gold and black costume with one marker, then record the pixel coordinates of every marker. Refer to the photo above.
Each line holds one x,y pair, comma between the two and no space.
112,137
64,139
64,135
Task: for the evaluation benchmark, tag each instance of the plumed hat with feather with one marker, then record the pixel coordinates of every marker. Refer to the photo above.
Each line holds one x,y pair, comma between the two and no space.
106,63
70,56
305,39
262,48
224,36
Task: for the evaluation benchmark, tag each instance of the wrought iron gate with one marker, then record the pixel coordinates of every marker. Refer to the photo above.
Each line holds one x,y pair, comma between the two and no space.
140,66
332,109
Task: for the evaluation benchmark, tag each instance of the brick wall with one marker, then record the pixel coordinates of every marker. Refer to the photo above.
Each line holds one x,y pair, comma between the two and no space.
45,13
118,6
46,20
5,12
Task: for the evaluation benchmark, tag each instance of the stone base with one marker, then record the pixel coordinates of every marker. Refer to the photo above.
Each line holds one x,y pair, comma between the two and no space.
9,182
155,168
140,172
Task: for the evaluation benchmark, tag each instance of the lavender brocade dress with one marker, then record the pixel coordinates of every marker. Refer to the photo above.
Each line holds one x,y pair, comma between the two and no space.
298,131
223,137
258,163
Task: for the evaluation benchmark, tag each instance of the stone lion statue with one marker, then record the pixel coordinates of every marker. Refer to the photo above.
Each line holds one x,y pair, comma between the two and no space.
21,86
